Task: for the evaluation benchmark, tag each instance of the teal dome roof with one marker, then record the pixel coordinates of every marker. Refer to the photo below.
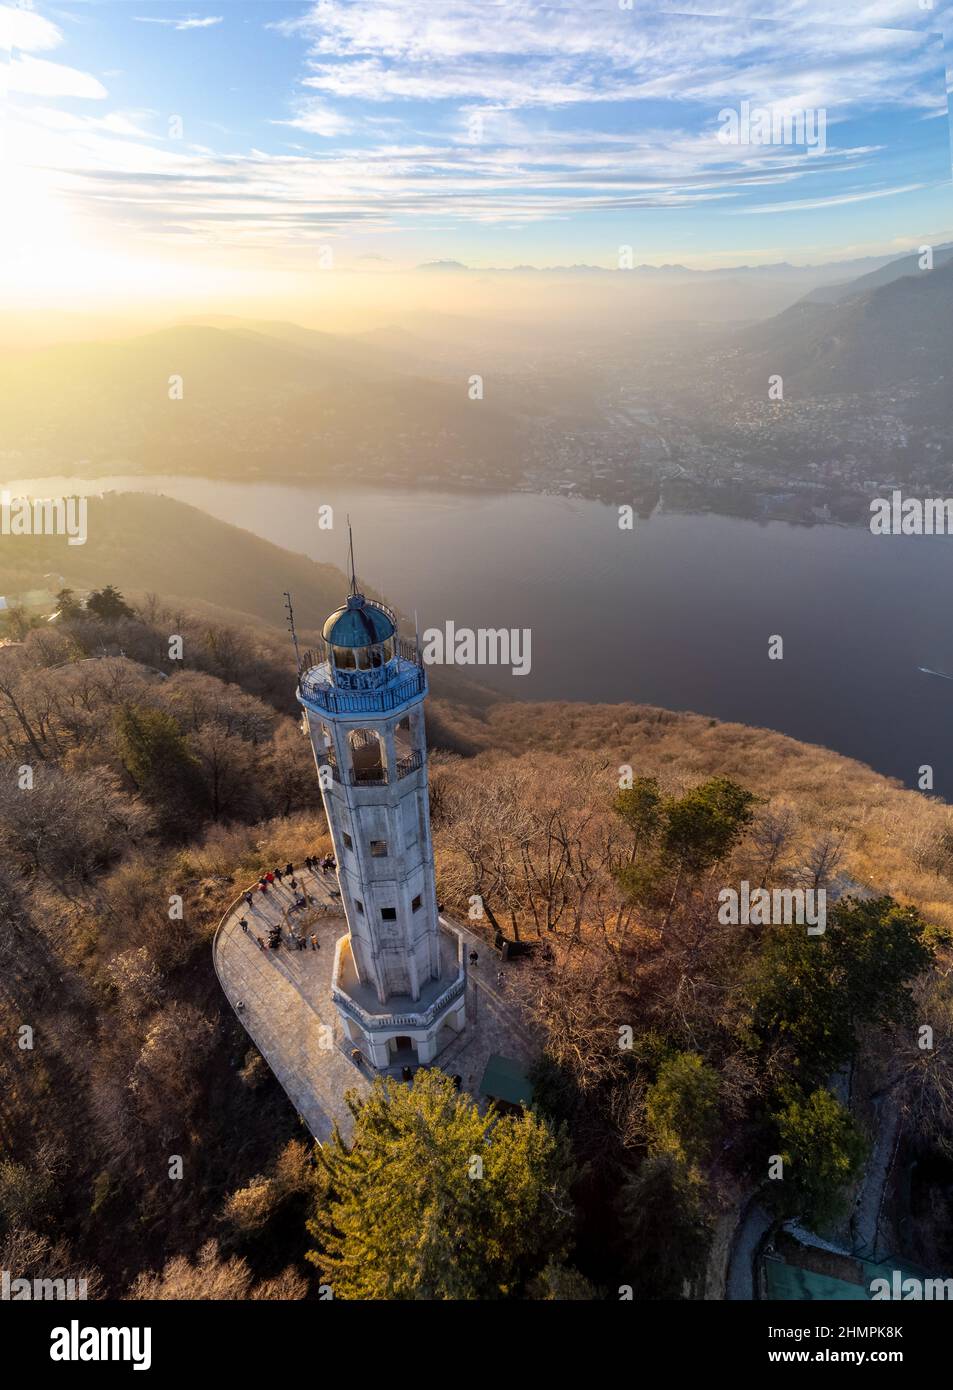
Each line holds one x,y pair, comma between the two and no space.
358,624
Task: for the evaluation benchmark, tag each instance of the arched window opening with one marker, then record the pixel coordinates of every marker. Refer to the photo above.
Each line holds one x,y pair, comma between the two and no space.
368,759
405,745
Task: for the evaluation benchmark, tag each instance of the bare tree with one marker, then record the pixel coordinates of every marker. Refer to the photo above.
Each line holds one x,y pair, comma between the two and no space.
66,826
211,1277
772,834
28,1255
824,859
918,1065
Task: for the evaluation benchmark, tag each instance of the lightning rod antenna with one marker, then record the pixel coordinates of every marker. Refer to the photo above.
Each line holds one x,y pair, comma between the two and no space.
350,543
291,629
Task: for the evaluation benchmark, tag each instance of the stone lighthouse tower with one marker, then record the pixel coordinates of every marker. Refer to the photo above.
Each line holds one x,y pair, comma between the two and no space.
399,979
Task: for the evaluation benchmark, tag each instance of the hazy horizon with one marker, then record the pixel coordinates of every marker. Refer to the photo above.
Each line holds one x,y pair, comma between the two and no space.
339,147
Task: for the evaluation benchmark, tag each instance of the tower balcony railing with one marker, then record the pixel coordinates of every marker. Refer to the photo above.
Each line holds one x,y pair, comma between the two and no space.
374,777
409,764
411,1020
368,777
390,689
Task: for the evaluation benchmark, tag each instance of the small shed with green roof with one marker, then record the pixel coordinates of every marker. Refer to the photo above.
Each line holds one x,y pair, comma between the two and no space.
506,1082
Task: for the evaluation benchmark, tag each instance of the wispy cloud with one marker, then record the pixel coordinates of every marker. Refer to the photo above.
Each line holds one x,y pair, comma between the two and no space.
416,116
527,55
36,77
317,118
902,14
21,28
23,33
834,200
300,199
181,23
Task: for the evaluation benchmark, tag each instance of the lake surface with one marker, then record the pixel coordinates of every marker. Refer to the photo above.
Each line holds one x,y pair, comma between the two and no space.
677,612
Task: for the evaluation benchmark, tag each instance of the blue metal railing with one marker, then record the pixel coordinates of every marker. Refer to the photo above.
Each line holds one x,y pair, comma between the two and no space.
405,766
315,688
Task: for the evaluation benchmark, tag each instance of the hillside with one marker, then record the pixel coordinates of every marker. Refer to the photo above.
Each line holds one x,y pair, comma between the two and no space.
156,778
895,840
894,336
188,785
246,398
874,279
147,544
141,542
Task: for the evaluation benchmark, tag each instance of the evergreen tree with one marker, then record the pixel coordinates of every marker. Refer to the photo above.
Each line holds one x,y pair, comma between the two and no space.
810,994
681,1108
157,757
822,1150
664,1228
432,1200
67,604
108,604
639,806
705,824
685,835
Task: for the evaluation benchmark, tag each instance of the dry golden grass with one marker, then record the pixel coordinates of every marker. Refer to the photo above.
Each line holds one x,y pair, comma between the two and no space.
892,835
242,852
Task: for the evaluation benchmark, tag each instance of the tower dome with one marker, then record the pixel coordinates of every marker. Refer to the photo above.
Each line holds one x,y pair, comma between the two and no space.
358,624
360,635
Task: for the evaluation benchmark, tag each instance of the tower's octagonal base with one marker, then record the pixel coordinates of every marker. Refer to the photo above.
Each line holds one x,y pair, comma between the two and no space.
402,1031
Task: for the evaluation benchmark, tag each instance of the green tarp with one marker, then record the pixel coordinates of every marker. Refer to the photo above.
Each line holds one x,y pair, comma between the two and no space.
506,1080
792,1281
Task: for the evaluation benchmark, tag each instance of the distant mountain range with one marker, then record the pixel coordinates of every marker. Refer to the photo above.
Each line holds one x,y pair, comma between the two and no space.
826,271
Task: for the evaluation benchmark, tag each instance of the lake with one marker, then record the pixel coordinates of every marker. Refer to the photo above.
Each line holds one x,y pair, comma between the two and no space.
676,612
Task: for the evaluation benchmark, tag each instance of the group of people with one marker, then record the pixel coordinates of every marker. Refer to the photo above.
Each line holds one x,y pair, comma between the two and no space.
297,941
286,876
278,876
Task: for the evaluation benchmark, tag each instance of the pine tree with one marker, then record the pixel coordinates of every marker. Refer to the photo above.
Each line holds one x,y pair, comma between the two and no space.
67,603
664,1228
157,757
681,1108
811,994
108,604
432,1200
822,1150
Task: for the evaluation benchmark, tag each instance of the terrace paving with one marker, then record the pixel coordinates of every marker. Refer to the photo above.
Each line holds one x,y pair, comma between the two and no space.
283,1000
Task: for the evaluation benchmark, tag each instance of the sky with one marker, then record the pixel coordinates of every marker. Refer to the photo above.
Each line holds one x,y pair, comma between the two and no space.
163,150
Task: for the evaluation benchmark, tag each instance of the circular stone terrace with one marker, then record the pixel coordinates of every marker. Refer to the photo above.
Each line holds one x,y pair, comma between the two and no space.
282,998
